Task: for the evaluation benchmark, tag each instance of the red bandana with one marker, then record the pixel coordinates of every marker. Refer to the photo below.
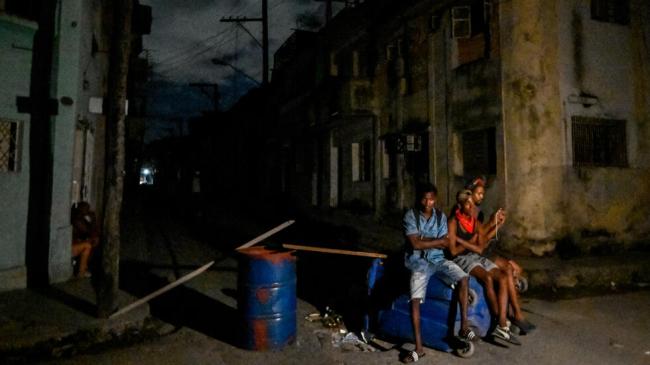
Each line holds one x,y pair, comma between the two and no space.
466,222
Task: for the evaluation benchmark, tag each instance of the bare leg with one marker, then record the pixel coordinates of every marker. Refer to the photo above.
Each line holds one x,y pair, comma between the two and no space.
513,295
463,293
503,294
488,284
415,317
82,249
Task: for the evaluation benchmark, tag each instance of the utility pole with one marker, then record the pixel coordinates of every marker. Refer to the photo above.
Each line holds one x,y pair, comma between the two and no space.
328,7
265,37
120,51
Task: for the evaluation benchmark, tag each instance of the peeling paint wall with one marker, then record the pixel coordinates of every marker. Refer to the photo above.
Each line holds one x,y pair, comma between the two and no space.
535,166
554,53
16,37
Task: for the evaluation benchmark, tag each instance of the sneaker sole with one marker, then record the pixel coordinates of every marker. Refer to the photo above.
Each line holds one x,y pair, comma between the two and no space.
512,340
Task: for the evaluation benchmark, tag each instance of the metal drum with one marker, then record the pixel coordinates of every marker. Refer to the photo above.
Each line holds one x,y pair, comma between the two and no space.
267,298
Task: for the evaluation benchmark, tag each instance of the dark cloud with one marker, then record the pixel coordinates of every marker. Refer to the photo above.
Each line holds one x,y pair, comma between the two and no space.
186,35
309,21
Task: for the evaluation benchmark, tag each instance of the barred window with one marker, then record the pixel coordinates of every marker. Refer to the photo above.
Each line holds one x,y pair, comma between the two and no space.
9,145
27,9
479,152
611,11
361,161
599,142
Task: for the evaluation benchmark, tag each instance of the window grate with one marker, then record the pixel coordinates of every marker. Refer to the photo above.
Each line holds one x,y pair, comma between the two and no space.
599,142
361,161
479,152
9,142
611,11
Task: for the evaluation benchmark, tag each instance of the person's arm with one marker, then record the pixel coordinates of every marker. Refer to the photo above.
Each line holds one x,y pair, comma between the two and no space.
497,219
458,245
414,236
471,245
423,243
454,245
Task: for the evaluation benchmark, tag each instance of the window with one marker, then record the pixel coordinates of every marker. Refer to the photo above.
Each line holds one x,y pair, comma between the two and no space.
390,52
9,143
470,19
479,152
461,22
334,68
361,161
599,142
27,9
611,11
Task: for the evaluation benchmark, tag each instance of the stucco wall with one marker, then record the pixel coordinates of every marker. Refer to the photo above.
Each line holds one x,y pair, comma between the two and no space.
16,37
554,52
534,135
600,62
67,79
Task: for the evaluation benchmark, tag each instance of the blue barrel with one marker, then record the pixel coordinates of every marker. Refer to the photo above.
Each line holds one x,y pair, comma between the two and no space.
267,298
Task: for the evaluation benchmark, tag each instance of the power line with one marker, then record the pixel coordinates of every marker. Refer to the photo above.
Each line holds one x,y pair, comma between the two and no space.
189,58
196,44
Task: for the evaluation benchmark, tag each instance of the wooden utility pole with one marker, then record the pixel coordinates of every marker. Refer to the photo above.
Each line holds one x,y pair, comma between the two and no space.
265,42
120,51
328,7
265,37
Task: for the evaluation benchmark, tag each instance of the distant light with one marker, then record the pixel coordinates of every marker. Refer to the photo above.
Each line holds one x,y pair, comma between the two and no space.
146,171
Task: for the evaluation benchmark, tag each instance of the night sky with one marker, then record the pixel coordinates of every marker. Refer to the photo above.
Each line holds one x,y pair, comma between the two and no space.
187,35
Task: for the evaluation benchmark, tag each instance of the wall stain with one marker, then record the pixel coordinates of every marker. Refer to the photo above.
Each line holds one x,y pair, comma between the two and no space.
578,60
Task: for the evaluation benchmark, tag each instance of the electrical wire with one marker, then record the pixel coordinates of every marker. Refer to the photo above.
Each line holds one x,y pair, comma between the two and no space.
192,57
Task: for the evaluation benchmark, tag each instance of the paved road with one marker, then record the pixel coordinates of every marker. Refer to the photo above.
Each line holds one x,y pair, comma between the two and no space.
610,329
197,320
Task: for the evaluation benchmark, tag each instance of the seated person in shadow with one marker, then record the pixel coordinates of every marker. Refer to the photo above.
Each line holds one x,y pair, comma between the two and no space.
85,236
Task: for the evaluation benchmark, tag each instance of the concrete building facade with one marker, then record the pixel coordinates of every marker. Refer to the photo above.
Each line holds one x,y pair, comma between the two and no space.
78,87
546,99
16,37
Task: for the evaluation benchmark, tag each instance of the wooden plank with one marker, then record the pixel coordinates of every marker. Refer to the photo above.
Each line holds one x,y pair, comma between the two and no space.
162,290
266,235
335,251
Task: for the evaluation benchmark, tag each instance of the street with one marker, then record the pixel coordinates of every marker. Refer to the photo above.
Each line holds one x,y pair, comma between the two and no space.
196,322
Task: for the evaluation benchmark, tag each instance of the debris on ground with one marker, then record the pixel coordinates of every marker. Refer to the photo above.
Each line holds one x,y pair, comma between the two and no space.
339,336
329,318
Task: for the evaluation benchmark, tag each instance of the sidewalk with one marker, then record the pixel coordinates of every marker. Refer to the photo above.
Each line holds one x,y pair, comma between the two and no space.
545,274
38,323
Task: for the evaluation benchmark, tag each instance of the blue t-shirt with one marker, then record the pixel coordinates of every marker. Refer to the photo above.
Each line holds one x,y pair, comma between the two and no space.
434,227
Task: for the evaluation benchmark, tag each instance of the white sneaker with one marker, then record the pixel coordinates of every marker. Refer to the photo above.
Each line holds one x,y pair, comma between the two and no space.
503,333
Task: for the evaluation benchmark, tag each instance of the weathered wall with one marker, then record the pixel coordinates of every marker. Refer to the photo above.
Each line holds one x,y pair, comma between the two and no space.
600,62
547,63
534,135
94,61
466,96
354,130
78,74
16,37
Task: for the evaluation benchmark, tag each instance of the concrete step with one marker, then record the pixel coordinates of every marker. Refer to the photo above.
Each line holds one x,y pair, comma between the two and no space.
600,272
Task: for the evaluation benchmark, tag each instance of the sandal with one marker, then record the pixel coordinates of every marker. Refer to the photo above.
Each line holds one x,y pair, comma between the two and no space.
412,356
